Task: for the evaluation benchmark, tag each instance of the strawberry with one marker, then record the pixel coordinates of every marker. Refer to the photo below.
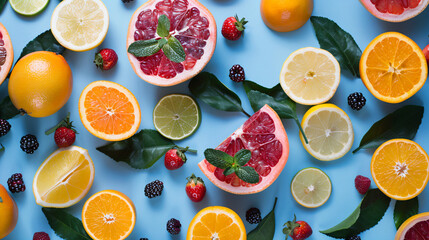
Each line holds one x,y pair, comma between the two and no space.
106,59
298,230
232,28
174,159
65,134
195,188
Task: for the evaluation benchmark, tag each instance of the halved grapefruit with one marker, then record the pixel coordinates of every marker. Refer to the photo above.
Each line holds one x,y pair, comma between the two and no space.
395,10
191,23
415,228
264,135
6,53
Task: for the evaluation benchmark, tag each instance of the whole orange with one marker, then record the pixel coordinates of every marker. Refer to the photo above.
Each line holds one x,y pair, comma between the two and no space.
8,213
40,83
286,15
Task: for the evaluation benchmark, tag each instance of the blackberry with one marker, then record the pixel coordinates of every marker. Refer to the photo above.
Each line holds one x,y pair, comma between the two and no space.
4,127
153,189
16,183
127,1
353,238
356,101
144,239
173,226
253,216
29,144
236,73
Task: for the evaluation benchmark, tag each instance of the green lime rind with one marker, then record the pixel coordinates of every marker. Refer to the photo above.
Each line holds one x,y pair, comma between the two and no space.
28,7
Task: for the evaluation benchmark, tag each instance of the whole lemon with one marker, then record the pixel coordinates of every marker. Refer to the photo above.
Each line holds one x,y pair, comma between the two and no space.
8,213
40,83
286,15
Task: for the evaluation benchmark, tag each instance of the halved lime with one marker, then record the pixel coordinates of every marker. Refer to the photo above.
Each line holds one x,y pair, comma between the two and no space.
311,187
176,116
28,7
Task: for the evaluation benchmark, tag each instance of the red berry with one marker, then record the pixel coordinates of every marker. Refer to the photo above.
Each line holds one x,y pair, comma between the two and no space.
195,188
41,236
106,59
174,159
426,53
232,28
64,137
298,230
362,184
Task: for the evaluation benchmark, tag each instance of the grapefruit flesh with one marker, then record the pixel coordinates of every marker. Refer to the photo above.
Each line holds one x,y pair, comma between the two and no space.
395,10
190,22
264,135
415,228
6,53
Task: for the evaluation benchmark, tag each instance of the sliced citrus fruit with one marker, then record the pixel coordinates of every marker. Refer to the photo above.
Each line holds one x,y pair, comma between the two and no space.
310,76
329,132
216,223
109,215
400,168
191,23
6,53
64,178
109,111
395,10
176,116
80,25
415,228
393,67
264,135
311,187
28,7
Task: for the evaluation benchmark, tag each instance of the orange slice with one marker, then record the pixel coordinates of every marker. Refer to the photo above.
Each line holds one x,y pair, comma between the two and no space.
400,168
108,215
393,67
109,111
219,223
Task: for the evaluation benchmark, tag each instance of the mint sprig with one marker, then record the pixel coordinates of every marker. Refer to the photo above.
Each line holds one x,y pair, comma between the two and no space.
233,164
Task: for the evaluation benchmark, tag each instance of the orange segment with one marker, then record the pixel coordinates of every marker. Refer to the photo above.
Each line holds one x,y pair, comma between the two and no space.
109,111
108,215
393,67
400,168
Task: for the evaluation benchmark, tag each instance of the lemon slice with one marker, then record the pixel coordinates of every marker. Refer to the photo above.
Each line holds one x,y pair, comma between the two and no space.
64,178
80,25
28,7
310,76
329,132
311,187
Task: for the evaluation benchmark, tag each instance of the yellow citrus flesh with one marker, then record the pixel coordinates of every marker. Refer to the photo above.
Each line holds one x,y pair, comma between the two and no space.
400,168
8,213
109,215
410,229
286,15
393,67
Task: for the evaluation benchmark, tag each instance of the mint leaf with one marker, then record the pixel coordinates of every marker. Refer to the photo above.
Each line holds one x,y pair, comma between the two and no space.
229,171
7,109
218,158
174,51
163,29
242,157
247,174
405,210
144,48
162,42
44,42
65,225
266,228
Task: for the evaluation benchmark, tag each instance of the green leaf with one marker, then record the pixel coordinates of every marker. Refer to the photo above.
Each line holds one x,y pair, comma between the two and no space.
402,123
140,151
338,42
218,158
229,171
162,42
405,210
2,148
266,228
65,225
247,174
174,51
144,48
44,42
163,29
7,109
2,4
210,90
369,212
242,157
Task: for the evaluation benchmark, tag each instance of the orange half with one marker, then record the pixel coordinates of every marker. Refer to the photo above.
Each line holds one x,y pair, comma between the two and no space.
109,111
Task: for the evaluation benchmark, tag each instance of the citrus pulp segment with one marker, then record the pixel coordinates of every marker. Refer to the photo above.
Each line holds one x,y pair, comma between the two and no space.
395,10
176,116
264,135
80,25
329,132
311,187
109,111
28,7
393,67
6,53
191,23
310,76
400,168
64,178
216,223
414,228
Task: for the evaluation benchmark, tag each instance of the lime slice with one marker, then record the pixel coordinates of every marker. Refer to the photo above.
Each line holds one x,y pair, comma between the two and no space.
311,187
28,7
176,116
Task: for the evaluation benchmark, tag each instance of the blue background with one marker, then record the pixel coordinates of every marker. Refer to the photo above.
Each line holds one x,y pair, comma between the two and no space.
261,52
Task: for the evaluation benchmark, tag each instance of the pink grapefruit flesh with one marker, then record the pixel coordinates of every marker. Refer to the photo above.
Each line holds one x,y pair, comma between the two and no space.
6,53
264,135
395,10
415,228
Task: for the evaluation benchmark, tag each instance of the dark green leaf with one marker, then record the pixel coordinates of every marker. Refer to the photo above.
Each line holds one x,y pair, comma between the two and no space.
140,151
2,4
338,42
162,42
2,148
369,212
229,171
7,109
247,174
44,42
174,51
405,210
402,123
65,225
218,158
242,157
266,228
144,48
163,29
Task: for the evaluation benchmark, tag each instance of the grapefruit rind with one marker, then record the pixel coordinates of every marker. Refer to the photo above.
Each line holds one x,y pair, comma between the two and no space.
409,223
5,68
389,17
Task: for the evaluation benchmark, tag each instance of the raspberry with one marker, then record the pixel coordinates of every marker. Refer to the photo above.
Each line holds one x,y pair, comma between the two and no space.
29,144
153,189
362,184
236,73
353,238
4,127
16,183
41,236
253,216
356,101
173,226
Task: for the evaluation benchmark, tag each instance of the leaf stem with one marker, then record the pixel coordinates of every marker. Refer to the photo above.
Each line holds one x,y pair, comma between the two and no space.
54,128
186,149
301,130
243,111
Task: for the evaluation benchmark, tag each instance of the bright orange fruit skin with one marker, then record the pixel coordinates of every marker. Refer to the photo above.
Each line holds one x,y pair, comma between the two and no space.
286,15
8,213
